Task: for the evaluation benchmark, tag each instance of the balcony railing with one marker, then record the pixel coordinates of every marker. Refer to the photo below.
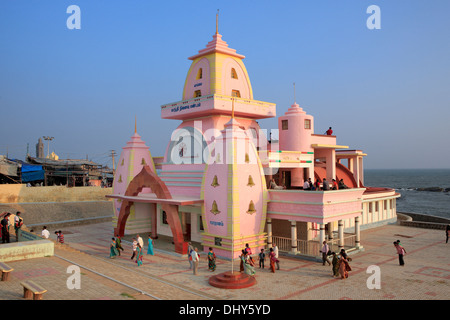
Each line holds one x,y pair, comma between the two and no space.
313,247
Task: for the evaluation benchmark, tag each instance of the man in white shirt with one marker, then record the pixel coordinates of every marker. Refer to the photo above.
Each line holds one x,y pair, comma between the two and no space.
45,232
306,185
134,248
324,251
195,260
275,250
141,241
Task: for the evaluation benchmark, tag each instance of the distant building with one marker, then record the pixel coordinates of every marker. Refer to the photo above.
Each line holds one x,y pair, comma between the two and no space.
40,149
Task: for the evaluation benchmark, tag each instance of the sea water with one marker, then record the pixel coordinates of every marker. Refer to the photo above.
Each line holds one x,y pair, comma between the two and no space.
407,181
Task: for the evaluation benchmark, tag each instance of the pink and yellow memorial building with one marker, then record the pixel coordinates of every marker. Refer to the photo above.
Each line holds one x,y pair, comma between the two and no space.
224,184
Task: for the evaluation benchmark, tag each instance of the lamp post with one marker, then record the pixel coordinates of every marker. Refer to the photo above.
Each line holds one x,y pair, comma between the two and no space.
48,148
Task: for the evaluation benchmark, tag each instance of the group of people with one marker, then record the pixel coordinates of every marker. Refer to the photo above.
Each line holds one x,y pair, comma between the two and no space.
309,185
340,262
248,265
137,246
6,224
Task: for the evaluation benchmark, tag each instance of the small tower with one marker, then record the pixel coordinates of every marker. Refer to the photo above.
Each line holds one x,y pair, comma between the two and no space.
134,156
295,128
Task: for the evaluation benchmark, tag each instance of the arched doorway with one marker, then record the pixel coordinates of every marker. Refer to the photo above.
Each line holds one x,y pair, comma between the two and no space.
148,179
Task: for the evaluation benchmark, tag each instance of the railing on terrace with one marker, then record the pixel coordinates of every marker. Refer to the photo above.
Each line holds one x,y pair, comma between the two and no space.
313,247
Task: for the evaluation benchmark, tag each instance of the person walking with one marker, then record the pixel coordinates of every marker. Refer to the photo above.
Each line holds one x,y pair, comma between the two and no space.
113,252
325,251
344,267
140,240
150,246
195,260
135,243
249,253
262,258
139,254
189,250
335,263
401,252
275,250
118,244
248,267
273,260
211,260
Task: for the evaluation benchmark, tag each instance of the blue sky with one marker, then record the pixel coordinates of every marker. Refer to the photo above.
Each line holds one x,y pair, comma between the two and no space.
383,91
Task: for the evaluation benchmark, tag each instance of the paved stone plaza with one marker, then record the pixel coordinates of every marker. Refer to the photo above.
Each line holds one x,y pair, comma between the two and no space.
166,276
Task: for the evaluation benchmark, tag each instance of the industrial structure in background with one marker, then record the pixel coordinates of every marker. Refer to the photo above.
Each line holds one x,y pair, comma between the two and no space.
50,170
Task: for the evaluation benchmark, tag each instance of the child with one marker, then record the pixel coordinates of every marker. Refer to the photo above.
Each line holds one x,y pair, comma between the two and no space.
59,236
262,257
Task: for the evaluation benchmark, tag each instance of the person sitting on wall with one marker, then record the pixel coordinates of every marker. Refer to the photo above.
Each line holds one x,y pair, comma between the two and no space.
342,185
306,185
311,184
325,185
334,185
329,132
273,185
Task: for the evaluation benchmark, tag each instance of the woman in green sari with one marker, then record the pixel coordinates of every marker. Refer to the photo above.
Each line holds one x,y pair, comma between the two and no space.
248,268
211,260
335,263
139,255
113,250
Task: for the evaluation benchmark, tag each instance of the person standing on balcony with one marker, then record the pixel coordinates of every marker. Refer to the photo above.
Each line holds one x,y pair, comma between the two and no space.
329,132
325,250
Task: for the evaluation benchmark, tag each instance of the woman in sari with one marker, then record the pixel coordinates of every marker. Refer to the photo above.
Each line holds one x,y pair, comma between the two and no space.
248,269
112,249
248,252
272,259
344,267
211,260
118,244
150,246
139,255
335,263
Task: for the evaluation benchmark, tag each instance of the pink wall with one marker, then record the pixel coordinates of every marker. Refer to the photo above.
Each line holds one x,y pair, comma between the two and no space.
315,206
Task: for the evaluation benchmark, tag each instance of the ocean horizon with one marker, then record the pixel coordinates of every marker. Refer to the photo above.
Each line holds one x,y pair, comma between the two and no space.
408,183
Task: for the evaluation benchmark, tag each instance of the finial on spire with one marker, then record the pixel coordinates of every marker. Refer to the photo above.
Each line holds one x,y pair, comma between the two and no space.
135,124
295,100
217,21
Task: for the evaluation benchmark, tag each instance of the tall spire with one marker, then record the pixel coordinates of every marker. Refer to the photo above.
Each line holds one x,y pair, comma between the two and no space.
217,21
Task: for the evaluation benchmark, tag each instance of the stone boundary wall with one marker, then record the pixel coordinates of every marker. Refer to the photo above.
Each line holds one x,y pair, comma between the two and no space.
58,214
20,193
418,220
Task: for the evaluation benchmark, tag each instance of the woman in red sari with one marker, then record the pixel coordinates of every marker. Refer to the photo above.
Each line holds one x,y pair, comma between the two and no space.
272,259
344,267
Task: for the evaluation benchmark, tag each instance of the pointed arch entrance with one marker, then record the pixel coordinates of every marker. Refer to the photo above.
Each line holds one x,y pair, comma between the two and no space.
148,179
